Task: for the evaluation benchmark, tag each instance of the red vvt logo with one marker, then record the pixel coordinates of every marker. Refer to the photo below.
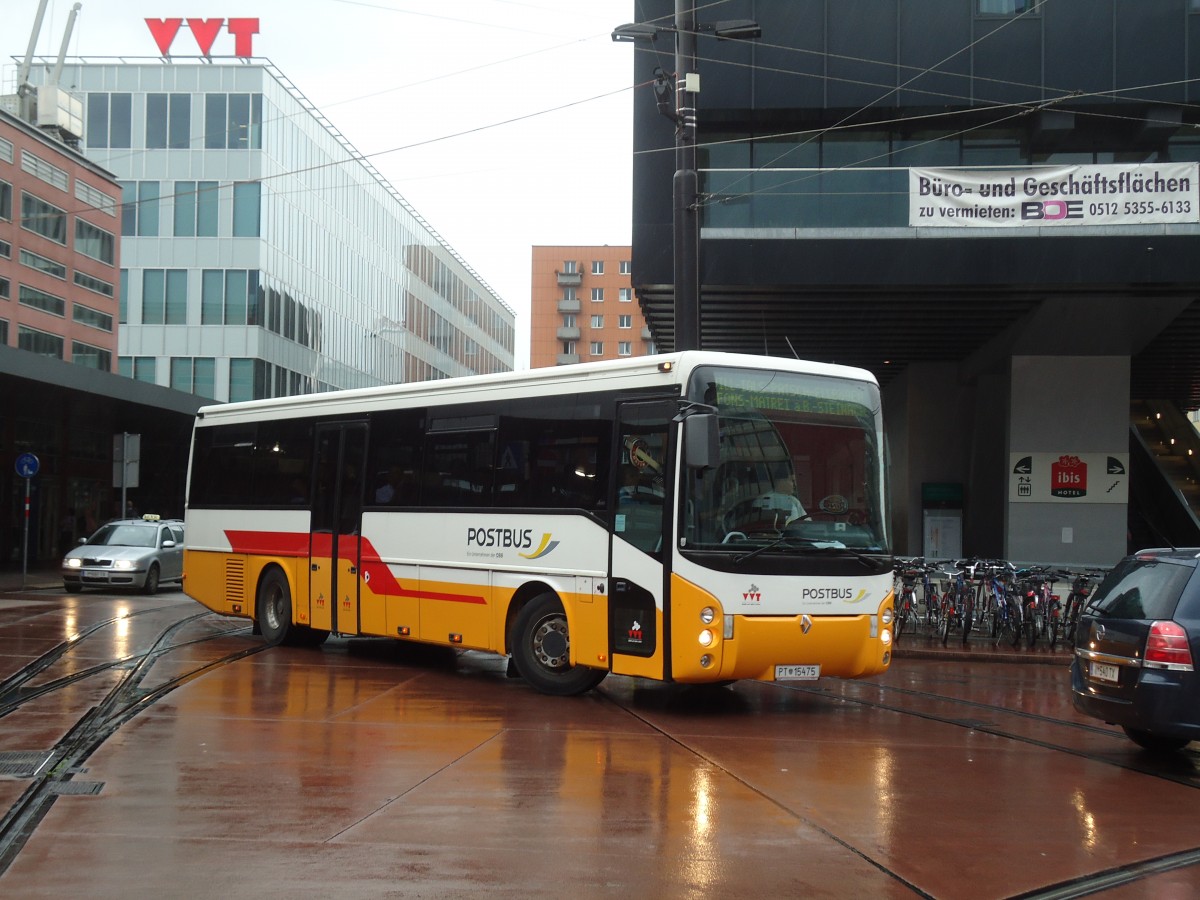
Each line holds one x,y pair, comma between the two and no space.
205,32
1068,477
754,595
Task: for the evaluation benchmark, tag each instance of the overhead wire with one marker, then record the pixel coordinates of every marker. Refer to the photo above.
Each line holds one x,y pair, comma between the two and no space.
893,90
846,122
811,135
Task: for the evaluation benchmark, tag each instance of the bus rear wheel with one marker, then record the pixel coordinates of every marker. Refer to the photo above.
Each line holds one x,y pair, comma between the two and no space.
274,609
541,649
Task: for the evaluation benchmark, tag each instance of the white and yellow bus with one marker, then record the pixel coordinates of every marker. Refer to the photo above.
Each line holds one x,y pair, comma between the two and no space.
695,517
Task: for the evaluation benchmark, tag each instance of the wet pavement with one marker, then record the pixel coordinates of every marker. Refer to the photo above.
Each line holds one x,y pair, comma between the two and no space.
185,760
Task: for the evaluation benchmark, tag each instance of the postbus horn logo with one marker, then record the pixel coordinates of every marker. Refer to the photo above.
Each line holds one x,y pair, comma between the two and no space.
543,548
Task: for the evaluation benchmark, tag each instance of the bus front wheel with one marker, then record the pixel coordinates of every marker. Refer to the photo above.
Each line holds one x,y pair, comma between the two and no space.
541,648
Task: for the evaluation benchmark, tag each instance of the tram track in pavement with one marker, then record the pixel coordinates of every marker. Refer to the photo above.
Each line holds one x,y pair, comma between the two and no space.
1145,763
53,772
11,687
1084,885
807,821
1081,886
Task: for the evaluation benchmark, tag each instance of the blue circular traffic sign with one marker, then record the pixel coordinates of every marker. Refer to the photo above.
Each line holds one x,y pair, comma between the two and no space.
27,465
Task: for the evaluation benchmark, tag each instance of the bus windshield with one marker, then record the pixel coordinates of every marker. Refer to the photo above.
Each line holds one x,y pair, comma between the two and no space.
800,469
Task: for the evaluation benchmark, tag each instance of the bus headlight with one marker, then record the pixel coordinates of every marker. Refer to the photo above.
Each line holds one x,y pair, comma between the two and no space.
706,638
886,618
708,615
885,636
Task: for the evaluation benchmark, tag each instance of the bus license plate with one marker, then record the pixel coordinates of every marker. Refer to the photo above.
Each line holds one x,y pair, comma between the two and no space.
797,673
1104,672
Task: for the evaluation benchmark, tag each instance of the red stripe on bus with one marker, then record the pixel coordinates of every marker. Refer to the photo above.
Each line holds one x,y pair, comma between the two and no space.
269,543
379,576
377,569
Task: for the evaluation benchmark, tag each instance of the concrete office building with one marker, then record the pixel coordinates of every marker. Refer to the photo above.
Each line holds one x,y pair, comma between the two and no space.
991,204
208,233
582,307
262,254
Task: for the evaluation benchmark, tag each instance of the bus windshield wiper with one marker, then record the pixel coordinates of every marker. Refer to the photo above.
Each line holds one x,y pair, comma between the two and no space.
843,550
793,543
807,545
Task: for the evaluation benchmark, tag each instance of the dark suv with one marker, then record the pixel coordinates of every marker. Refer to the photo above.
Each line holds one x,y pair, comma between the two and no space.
1136,646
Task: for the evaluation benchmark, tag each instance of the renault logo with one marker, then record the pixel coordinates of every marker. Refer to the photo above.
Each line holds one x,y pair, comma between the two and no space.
805,623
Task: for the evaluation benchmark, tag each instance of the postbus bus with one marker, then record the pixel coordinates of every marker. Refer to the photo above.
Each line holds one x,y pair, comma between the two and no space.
604,517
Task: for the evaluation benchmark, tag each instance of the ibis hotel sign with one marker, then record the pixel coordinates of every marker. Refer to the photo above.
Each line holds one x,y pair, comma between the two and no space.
1056,196
204,32
1068,478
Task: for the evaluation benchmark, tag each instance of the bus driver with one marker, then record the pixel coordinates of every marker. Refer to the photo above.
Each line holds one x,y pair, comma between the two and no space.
782,500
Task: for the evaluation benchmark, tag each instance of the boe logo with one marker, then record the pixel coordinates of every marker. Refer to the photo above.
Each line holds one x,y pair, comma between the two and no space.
1052,210
205,32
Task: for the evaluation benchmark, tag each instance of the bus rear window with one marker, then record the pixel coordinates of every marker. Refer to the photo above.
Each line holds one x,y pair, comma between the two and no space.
247,465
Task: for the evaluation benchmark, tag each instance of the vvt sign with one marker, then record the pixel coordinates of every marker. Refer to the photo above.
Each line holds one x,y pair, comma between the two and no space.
205,32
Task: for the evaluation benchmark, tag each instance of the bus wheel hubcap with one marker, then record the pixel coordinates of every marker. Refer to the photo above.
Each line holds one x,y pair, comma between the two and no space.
550,643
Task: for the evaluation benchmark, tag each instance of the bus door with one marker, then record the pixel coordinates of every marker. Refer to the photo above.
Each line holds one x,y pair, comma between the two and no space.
640,538
336,523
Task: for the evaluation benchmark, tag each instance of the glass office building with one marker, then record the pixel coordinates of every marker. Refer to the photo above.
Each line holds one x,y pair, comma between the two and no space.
262,255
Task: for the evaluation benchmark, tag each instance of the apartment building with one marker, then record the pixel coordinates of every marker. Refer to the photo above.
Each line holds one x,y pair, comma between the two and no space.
582,307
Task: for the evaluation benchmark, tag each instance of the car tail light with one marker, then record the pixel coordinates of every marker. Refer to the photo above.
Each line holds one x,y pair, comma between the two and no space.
1167,646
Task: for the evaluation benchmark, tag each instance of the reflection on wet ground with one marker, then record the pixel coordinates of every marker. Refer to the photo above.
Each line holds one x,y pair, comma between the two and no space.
371,768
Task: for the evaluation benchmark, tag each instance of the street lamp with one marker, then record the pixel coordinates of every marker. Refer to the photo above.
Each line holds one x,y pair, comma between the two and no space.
684,186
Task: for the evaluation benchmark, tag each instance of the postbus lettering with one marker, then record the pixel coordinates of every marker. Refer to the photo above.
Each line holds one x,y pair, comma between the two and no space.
509,538
827,593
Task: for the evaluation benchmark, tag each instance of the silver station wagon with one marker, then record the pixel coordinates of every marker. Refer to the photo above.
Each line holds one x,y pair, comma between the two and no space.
137,553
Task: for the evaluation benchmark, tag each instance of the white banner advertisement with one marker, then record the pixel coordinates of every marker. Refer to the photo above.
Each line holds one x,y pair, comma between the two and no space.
1068,478
1060,196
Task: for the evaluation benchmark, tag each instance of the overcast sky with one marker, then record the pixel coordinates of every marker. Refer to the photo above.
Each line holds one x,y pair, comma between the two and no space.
505,123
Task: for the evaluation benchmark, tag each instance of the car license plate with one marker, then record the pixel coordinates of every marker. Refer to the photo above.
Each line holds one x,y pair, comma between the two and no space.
797,673
1104,672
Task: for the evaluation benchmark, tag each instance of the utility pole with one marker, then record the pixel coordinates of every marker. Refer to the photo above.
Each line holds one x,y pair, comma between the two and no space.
685,191
686,218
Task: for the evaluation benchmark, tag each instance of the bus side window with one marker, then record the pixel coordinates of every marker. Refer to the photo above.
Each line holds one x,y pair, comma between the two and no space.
553,455
393,462
460,466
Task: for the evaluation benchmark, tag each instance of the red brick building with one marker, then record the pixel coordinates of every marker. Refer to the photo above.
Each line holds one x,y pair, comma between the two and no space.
60,229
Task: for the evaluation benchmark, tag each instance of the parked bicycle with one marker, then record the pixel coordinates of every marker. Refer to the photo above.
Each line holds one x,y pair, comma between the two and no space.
913,608
958,603
1082,584
1039,604
1004,612
907,573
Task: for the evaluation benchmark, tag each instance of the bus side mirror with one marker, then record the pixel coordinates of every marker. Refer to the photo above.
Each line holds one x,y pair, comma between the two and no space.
701,441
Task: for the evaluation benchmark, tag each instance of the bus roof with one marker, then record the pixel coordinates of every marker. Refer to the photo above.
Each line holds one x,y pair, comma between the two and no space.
637,372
